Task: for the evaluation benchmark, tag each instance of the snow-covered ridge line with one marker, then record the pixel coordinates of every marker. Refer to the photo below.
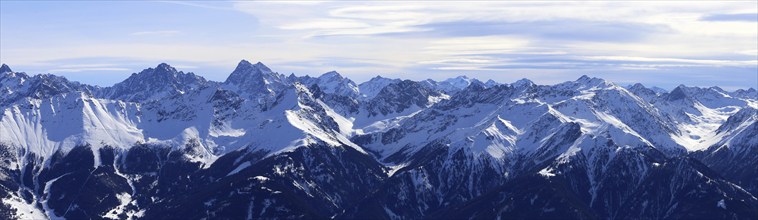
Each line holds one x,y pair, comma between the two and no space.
452,84
161,105
265,145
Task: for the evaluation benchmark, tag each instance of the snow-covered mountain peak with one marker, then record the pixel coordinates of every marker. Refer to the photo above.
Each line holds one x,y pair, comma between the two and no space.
593,82
331,75
459,82
458,79
246,65
334,83
155,83
743,115
643,92
7,73
717,89
640,86
659,89
282,146
522,83
4,69
161,72
246,72
371,88
377,77
18,85
750,93
291,77
451,85
637,86
677,94
257,81
164,67
476,85
402,96
712,98
334,77
491,83
48,85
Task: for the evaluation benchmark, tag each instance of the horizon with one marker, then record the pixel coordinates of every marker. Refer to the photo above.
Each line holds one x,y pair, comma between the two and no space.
361,82
658,44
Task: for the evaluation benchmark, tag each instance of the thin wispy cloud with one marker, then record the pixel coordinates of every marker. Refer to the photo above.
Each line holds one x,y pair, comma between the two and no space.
544,41
199,5
76,68
82,69
747,17
94,65
164,33
181,66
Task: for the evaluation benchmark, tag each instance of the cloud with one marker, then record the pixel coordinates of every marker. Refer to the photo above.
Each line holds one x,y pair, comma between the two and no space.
75,70
748,17
164,33
489,39
563,30
476,45
324,24
182,66
199,5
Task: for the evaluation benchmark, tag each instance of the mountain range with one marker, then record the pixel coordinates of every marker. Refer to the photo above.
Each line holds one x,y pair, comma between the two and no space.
165,144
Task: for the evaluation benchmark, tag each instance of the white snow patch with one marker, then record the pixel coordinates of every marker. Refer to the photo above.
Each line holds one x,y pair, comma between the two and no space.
721,204
395,168
239,168
124,199
547,172
701,133
23,209
261,178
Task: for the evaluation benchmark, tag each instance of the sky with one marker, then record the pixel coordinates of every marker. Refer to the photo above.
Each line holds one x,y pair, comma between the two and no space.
662,44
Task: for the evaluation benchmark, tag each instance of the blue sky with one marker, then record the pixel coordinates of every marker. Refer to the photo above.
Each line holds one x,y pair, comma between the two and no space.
656,43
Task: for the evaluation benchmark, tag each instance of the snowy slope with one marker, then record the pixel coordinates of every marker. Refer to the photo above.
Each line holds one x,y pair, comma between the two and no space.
371,88
324,147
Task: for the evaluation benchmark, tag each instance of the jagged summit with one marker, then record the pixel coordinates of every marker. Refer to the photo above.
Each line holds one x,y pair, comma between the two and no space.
451,85
371,88
462,79
331,74
523,83
491,83
378,77
263,145
637,85
333,83
155,83
256,81
585,78
162,70
6,72
246,74
165,67
5,68
717,89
